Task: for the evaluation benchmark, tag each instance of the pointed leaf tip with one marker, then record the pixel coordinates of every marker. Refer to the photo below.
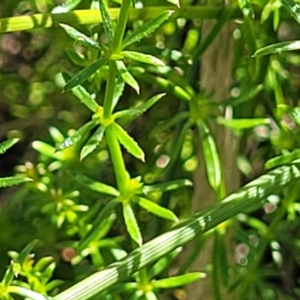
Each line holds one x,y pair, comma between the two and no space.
175,2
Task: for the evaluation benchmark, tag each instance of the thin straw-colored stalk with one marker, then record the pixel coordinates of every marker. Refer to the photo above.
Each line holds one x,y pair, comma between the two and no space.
76,17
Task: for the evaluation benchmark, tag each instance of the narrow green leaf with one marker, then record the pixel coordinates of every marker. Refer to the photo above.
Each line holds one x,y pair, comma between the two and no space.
81,93
45,149
75,57
119,88
56,135
26,251
211,156
84,74
98,225
128,142
107,23
79,37
144,58
131,223
146,29
178,281
137,111
96,185
266,12
165,84
177,79
14,180
48,272
246,8
126,76
293,7
172,121
163,263
92,144
283,159
43,263
4,146
54,284
77,136
99,229
28,294
241,124
155,209
277,48
167,186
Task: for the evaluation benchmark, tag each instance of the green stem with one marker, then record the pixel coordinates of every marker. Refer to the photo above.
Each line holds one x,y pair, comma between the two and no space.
121,26
113,144
117,159
109,91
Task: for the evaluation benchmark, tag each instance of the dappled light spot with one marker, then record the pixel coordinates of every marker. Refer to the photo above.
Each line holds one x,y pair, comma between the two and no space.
162,161
241,252
191,164
68,254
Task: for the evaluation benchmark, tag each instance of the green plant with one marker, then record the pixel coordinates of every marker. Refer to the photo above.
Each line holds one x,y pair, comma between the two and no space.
116,209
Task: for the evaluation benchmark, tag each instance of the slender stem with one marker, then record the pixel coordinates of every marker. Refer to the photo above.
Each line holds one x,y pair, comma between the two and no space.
113,144
93,16
109,91
117,159
121,26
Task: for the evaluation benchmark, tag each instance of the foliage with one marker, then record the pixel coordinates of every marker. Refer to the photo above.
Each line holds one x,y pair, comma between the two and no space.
111,114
